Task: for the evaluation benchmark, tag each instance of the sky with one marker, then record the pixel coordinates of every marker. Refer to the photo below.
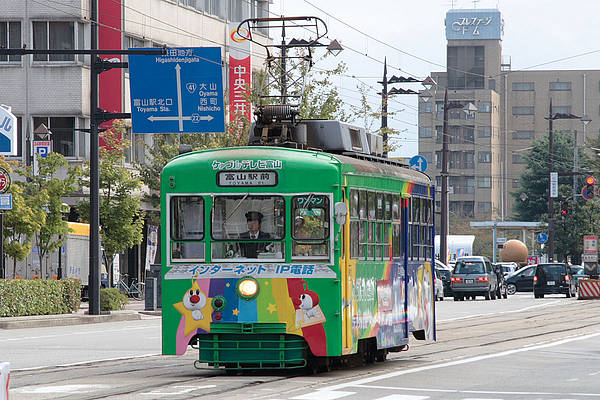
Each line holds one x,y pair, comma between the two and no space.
538,35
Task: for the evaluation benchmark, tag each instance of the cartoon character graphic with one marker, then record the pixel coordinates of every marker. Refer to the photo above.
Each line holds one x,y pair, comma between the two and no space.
304,301
308,302
195,300
196,309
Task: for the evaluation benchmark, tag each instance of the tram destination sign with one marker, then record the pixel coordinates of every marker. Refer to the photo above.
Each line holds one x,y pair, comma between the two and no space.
247,178
180,92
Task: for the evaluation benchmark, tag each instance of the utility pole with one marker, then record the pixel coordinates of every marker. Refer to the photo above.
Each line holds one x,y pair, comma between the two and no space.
384,110
444,201
94,253
550,198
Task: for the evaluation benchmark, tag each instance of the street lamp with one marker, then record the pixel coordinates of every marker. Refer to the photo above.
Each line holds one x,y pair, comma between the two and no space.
551,117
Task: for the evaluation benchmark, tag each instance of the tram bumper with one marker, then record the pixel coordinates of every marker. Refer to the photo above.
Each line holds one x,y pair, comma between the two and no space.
250,346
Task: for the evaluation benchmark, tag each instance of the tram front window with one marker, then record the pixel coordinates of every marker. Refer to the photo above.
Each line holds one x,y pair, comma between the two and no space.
248,227
310,230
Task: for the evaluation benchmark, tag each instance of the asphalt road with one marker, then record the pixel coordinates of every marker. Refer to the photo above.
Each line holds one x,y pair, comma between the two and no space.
518,348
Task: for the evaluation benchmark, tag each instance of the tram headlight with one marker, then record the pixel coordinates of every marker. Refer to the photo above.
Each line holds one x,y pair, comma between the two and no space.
247,288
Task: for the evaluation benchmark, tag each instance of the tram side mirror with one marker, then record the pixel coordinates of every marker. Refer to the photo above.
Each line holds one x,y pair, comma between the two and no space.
341,212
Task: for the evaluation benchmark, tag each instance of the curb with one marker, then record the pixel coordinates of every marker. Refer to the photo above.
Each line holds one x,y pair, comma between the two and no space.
66,319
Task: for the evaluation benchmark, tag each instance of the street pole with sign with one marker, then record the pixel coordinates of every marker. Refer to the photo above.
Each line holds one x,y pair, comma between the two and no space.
5,204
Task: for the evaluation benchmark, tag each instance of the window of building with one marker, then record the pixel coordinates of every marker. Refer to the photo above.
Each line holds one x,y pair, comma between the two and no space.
425,107
560,86
523,135
425,132
492,84
484,106
484,157
64,140
54,35
517,158
484,131
523,110
466,67
10,37
469,184
523,86
455,159
484,207
427,155
561,109
469,159
484,182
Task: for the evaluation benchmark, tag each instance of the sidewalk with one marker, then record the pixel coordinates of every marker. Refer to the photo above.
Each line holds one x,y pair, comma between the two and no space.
133,311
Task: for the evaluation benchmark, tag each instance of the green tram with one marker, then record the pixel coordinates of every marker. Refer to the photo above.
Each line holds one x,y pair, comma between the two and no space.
276,257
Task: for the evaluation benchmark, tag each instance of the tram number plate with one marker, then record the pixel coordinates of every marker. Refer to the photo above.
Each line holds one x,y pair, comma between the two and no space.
550,283
247,178
468,280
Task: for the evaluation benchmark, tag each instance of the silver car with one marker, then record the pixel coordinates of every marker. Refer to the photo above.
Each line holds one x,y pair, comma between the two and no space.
474,276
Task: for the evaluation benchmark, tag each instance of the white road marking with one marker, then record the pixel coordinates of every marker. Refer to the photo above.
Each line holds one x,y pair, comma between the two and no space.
403,397
458,362
182,390
60,389
323,395
88,362
80,333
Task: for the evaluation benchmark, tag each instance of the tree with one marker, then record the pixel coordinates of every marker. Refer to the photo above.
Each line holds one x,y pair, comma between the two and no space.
44,192
121,216
20,223
531,200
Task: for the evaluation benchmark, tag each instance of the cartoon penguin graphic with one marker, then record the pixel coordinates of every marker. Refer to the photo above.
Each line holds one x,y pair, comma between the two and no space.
195,300
308,301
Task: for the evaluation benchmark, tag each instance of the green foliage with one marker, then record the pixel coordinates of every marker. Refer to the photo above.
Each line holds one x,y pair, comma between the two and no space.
20,223
531,199
20,297
121,216
43,192
111,299
535,180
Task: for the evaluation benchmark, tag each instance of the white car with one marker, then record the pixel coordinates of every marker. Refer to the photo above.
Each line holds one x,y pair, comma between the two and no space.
508,267
439,287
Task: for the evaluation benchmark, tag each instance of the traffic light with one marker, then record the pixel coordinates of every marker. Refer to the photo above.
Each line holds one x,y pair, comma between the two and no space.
588,190
564,207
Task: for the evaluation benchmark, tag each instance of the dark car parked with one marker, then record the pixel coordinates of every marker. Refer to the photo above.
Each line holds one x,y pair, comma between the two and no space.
553,278
521,280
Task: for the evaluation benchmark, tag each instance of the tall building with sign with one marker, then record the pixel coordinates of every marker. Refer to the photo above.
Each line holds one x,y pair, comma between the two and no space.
54,90
487,144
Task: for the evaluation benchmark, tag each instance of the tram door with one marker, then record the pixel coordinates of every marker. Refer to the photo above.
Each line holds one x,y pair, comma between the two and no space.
348,272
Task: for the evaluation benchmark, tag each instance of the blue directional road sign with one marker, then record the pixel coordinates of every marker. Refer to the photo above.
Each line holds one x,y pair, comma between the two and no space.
180,92
418,163
542,237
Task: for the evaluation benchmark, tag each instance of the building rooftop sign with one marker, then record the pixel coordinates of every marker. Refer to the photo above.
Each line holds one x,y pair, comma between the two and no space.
474,24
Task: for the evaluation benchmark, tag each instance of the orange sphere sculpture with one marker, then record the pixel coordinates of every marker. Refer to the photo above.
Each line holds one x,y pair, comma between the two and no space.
514,250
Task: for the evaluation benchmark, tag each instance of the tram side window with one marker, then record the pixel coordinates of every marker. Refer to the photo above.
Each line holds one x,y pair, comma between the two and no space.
396,227
187,228
354,203
310,230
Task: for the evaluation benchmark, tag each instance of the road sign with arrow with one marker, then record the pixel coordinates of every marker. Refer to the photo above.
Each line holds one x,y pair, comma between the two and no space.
180,92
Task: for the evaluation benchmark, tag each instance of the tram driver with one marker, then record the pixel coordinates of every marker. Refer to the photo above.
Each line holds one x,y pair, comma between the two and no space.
251,249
